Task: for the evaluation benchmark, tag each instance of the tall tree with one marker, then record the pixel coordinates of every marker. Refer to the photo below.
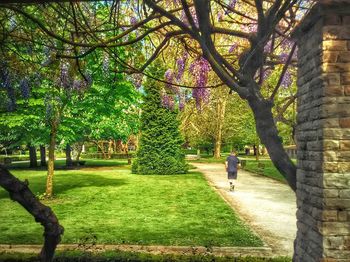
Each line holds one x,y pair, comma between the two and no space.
160,147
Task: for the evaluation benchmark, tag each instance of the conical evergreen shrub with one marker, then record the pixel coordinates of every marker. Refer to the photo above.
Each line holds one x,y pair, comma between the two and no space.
160,143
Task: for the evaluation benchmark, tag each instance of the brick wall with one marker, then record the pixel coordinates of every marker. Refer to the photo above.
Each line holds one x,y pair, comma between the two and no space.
323,134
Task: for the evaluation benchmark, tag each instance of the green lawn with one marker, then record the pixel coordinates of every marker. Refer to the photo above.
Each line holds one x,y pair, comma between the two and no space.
107,204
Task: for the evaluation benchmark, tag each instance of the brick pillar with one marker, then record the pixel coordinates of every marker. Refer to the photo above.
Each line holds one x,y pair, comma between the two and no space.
323,134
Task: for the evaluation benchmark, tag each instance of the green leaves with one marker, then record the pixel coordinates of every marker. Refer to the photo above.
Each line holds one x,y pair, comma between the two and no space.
160,149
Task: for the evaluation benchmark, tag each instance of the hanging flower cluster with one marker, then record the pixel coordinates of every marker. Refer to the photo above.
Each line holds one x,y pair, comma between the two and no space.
200,69
181,65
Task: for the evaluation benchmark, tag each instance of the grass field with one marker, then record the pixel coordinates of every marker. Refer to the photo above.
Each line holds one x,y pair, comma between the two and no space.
104,203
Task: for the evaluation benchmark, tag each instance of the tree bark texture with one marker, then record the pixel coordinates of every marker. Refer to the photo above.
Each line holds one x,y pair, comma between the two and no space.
221,108
268,134
33,161
51,162
101,145
69,161
20,192
42,155
79,150
110,149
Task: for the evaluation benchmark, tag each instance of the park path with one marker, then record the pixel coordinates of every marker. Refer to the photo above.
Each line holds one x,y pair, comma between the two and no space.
268,206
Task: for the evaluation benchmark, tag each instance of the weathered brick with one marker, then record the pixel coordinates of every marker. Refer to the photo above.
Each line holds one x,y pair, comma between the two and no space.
331,193
334,90
332,79
331,133
343,216
342,57
344,167
332,19
345,19
330,167
336,67
330,144
330,215
334,242
336,32
344,122
331,56
345,78
344,145
335,45
347,90
330,156
335,181
344,193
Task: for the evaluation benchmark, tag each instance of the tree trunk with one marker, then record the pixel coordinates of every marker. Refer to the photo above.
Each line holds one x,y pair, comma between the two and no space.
79,150
115,146
257,153
51,162
42,155
127,154
32,156
110,149
221,108
69,161
198,152
20,192
101,145
267,131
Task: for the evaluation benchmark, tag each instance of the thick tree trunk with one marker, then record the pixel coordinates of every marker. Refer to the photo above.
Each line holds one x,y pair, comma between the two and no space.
51,162
33,161
69,161
257,154
267,131
42,155
20,192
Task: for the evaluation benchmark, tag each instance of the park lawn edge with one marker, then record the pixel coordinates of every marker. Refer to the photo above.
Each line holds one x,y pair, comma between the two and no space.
88,256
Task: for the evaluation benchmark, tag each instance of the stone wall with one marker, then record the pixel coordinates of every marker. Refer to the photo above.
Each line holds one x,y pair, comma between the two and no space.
323,134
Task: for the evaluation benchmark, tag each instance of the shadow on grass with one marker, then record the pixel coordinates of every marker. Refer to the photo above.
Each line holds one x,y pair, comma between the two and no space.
61,164
67,181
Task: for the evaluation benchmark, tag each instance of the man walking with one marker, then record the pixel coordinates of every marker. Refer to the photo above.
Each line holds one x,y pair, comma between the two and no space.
232,164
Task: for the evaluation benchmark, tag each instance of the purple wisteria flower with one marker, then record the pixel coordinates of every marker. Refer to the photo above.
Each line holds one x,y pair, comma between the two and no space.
133,20
170,78
181,65
287,79
283,57
200,69
233,48
167,101
184,18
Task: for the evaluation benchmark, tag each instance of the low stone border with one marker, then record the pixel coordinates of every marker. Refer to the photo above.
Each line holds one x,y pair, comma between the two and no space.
181,250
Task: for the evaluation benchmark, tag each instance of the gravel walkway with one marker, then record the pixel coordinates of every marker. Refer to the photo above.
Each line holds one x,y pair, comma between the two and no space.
268,206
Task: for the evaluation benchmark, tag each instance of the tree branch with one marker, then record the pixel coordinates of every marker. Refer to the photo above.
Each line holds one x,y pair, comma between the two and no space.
20,192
